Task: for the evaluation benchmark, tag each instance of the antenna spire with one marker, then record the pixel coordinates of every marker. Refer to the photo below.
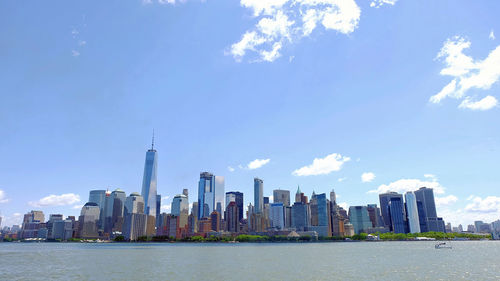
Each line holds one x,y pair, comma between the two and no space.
153,140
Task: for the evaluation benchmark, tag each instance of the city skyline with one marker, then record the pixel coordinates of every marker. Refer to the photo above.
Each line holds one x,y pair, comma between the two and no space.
388,99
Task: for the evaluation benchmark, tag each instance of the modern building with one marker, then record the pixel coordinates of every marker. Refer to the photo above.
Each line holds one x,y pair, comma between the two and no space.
412,212
232,217
89,219
115,206
277,218
210,194
397,213
258,195
375,217
149,181
385,198
180,204
237,197
426,196
135,220
98,197
359,218
300,216
282,196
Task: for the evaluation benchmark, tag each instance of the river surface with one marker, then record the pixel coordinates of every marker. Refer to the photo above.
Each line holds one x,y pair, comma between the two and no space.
468,260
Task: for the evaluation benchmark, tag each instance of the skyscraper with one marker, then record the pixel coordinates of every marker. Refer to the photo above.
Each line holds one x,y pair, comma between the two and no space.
426,196
282,196
89,218
385,198
210,194
149,181
258,195
99,197
277,216
134,224
299,216
412,212
359,218
232,217
180,204
237,197
396,210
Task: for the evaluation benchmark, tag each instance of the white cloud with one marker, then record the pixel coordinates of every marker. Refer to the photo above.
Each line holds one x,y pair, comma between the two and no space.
15,218
257,163
3,197
430,176
492,35
75,53
166,207
323,166
341,179
486,103
380,3
282,22
445,201
490,204
82,43
230,169
486,209
367,177
404,185
77,207
468,74
56,200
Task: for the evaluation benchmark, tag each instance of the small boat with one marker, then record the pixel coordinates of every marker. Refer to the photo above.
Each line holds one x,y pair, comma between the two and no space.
442,245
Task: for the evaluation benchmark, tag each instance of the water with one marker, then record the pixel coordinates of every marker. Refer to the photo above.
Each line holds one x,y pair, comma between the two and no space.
468,260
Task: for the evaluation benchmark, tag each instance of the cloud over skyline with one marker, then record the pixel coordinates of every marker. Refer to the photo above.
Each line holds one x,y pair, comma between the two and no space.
56,200
323,166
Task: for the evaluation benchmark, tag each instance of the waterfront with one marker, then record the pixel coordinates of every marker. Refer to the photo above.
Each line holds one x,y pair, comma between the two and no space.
468,260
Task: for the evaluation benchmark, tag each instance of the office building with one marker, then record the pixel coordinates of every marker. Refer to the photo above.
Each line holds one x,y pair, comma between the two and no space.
235,196
258,193
98,197
149,181
412,212
89,219
397,213
232,217
282,196
210,194
385,198
277,219
359,218
300,216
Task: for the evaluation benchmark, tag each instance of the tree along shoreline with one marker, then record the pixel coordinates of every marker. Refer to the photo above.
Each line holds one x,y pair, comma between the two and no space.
246,238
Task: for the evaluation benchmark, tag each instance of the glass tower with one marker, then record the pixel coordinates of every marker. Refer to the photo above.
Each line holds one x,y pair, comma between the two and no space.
210,195
258,194
412,212
149,181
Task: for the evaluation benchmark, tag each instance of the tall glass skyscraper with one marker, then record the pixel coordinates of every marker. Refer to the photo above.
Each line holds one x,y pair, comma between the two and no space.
258,194
210,195
235,196
396,210
412,212
99,197
149,181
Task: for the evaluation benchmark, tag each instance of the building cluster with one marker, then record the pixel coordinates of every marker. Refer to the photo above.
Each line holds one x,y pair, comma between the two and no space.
108,215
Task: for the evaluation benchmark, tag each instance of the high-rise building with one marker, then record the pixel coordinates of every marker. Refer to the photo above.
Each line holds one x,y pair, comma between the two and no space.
412,212
99,197
422,218
89,219
149,182
180,204
385,198
276,217
374,214
135,220
258,195
215,219
333,197
359,218
210,194
115,204
158,207
396,210
232,217
426,196
282,196
235,196
299,216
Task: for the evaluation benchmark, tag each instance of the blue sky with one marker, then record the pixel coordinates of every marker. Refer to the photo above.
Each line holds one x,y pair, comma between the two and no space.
404,92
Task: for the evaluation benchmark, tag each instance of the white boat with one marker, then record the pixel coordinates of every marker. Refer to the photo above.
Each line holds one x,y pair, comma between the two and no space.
442,245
